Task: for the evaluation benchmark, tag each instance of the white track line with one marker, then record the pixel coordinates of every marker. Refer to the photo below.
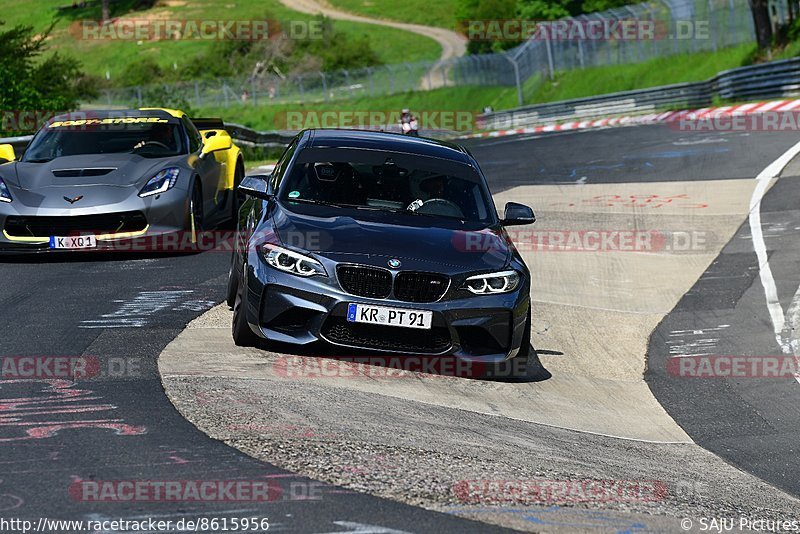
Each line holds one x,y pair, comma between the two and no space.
772,171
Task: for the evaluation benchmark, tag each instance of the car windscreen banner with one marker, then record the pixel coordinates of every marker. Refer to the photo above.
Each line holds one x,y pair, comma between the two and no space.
82,121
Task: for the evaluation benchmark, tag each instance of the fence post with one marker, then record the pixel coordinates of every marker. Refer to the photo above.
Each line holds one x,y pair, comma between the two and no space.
712,22
139,96
371,82
347,81
324,85
391,78
516,77
550,65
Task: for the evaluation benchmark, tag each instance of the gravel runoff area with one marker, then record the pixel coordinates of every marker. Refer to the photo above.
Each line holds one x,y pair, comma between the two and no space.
426,455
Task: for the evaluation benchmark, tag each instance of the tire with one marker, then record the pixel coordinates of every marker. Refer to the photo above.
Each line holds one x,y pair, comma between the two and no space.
243,336
194,220
236,198
233,283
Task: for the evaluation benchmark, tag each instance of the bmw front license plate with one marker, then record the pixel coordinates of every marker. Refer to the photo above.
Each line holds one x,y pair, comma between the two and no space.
75,242
361,313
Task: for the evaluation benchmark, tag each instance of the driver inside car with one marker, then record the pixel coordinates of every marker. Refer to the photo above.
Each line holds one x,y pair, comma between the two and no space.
161,134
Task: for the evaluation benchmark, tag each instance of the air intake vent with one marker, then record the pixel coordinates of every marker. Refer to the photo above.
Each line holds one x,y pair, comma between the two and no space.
77,173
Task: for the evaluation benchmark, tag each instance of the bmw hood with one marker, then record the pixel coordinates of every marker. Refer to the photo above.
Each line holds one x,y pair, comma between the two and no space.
118,170
376,237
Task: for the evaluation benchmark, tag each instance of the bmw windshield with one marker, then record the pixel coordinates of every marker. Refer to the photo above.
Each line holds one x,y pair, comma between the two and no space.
146,136
377,180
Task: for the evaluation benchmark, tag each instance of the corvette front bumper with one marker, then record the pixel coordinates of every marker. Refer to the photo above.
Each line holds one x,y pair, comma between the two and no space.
117,226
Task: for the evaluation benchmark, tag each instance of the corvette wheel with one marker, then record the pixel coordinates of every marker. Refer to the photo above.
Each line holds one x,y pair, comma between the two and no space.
195,222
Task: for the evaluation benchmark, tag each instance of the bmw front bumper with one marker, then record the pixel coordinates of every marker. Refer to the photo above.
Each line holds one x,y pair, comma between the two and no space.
285,308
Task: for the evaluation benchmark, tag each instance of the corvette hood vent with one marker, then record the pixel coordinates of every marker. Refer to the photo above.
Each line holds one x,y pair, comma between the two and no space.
74,173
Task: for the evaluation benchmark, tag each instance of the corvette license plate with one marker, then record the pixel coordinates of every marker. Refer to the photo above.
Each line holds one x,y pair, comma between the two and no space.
72,243
362,313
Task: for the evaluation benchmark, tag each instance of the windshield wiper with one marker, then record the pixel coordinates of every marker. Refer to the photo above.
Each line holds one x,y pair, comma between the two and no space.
333,204
38,160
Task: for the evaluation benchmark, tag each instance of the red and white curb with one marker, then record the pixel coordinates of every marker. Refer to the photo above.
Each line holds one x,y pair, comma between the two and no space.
653,118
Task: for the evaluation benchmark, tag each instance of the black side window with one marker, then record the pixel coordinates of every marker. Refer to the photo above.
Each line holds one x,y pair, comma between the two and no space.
195,140
283,162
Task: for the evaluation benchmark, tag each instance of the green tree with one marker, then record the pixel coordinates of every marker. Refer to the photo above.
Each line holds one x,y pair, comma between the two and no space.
487,10
35,82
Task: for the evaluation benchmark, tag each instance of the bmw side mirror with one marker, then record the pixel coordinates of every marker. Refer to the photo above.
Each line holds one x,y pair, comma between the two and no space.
518,214
256,185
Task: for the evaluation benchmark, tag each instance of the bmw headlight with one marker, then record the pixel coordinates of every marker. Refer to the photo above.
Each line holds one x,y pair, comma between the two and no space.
161,182
492,283
292,262
5,194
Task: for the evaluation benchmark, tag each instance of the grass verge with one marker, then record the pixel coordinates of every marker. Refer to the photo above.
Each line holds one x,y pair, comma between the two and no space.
439,13
110,56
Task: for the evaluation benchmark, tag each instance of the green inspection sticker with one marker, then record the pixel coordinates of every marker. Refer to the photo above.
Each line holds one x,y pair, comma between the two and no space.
294,194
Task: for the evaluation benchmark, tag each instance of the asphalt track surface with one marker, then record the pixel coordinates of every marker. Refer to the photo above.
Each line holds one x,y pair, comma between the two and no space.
752,422
128,309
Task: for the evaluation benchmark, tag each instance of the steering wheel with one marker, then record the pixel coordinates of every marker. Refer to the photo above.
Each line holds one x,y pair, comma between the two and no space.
153,143
440,206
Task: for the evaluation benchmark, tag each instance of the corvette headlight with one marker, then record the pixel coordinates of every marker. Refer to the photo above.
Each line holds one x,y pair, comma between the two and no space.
161,182
5,194
492,283
292,262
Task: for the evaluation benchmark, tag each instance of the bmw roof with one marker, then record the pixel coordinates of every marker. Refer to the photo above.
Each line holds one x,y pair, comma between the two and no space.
372,140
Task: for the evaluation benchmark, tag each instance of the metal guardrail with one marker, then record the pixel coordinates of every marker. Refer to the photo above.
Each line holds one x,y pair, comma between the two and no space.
247,137
776,79
685,95
19,143
769,80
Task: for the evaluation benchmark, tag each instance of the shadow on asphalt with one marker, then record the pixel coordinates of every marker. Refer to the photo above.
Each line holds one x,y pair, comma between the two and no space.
446,366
